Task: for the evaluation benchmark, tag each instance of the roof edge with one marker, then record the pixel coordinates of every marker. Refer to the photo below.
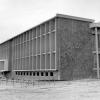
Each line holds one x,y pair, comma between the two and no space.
74,17
57,15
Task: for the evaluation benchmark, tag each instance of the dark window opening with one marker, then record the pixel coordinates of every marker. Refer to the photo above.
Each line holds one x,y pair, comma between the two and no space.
16,73
34,74
24,73
30,73
27,73
21,73
51,73
46,73
37,73
42,74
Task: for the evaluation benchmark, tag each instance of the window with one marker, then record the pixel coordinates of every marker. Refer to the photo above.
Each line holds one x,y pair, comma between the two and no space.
46,73
16,73
27,73
33,73
37,73
51,73
42,74
21,73
30,73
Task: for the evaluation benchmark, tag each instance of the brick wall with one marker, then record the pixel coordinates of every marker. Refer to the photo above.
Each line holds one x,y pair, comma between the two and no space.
75,43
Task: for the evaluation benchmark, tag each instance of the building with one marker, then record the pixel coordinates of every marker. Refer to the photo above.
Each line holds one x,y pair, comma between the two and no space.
60,48
95,30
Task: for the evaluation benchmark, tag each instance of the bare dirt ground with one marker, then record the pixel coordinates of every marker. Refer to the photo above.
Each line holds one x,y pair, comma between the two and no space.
72,90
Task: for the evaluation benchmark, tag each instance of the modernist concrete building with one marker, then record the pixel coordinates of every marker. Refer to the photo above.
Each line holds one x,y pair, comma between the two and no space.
58,49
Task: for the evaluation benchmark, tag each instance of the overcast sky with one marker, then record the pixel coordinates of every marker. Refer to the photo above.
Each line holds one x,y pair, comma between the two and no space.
17,16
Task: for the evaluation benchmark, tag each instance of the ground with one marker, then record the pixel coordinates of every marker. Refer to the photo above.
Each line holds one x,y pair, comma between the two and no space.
72,90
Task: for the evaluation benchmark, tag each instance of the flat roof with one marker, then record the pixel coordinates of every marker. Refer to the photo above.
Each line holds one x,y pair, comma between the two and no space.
75,18
57,15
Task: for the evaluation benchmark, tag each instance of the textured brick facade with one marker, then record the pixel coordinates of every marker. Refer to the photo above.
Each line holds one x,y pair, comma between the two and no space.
75,43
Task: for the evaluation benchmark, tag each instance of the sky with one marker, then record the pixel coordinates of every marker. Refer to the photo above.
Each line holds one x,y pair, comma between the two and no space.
17,16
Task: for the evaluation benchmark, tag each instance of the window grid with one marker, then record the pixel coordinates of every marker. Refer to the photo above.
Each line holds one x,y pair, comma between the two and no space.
35,49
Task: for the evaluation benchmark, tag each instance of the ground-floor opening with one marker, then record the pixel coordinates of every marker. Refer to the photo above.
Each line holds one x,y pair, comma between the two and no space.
35,75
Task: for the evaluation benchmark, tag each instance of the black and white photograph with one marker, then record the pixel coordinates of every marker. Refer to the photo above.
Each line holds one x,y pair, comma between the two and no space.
49,49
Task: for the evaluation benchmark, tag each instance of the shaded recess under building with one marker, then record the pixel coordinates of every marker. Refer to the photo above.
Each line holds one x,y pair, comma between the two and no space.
60,48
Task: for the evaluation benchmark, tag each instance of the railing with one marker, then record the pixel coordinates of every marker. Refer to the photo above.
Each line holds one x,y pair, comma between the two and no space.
26,83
